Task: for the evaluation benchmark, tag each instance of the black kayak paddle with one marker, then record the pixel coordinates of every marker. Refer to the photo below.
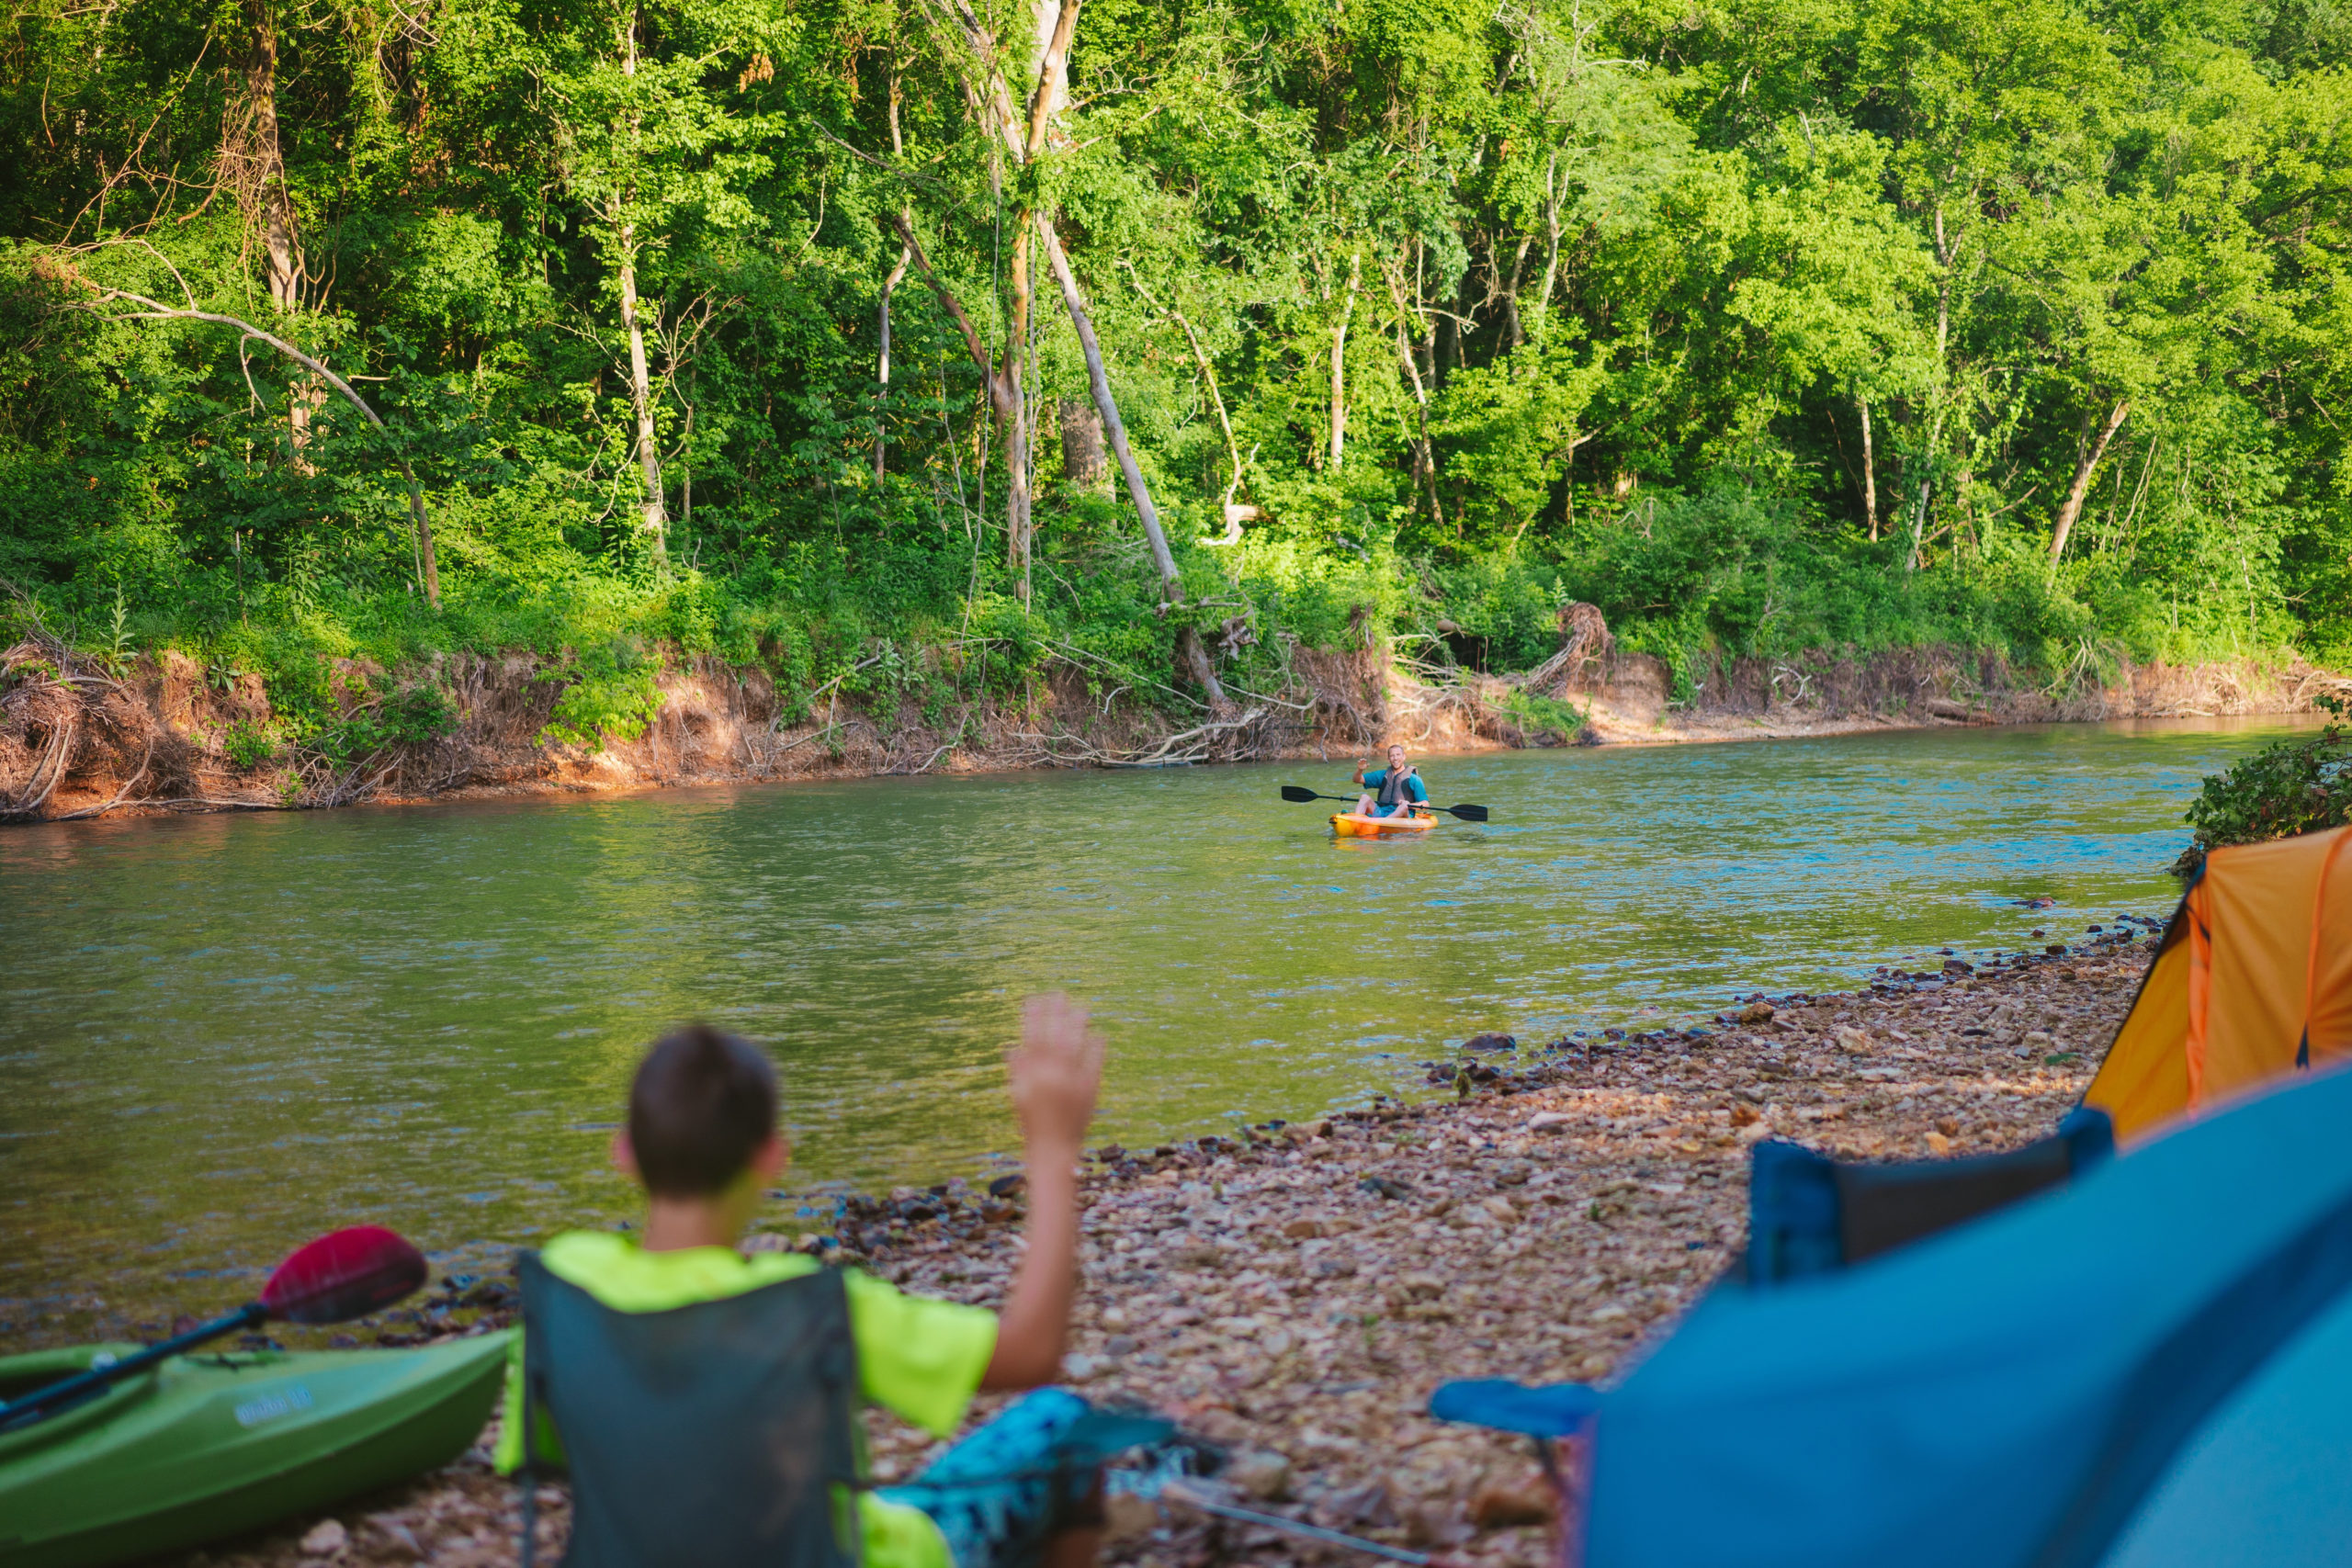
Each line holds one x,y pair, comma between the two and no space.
1467,813
343,1275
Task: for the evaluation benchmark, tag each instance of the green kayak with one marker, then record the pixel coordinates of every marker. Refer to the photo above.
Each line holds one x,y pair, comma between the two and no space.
203,1446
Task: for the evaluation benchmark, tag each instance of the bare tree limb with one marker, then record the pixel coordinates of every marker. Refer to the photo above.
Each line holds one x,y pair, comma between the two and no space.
2081,487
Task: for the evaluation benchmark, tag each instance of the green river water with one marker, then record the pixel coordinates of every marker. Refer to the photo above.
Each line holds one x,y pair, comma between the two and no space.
221,1036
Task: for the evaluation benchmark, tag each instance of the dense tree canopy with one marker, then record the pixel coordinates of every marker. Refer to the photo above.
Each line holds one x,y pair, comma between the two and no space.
1763,325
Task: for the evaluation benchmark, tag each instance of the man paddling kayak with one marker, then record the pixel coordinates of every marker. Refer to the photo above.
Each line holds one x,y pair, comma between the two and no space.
1392,791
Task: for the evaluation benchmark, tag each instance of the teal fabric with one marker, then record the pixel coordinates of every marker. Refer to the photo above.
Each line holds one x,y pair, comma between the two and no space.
2264,1481
1000,1494
2015,1390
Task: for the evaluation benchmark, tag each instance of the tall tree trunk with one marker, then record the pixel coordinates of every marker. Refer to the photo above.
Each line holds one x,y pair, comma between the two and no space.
1514,332
281,239
889,286
1550,247
882,365
272,213
1870,472
653,511
1083,462
2084,462
1013,415
1424,459
1172,582
1023,136
1340,362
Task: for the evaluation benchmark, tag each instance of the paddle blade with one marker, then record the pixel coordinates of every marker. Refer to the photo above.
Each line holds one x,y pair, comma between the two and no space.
343,1275
1299,792
1469,813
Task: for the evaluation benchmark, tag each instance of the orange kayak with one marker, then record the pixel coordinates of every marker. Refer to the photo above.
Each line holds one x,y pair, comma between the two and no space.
1348,825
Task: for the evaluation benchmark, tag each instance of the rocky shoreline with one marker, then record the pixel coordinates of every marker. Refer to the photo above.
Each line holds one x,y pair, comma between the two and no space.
1294,1297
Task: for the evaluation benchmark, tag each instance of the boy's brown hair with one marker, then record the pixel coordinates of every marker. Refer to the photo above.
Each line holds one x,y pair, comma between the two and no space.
701,1105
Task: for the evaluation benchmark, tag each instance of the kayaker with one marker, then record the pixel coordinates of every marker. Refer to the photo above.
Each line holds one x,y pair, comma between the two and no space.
1391,791
702,1139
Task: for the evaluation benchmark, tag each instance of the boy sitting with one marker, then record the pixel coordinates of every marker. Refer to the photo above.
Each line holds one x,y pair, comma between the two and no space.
702,1138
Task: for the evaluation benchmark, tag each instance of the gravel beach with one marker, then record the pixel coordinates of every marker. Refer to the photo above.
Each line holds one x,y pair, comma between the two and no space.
1293,1297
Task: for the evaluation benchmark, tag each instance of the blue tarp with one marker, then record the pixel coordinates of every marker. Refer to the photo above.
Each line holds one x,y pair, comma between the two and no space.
2014,1392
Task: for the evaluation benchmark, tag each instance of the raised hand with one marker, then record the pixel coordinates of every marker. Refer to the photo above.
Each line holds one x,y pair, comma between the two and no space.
1055,1072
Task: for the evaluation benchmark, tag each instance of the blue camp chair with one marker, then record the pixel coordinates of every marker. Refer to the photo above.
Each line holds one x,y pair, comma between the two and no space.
1808,1214
2147,1367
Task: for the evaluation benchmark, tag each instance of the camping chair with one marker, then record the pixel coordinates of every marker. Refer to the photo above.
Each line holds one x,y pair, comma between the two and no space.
725,1432
2149,1368
1808,1214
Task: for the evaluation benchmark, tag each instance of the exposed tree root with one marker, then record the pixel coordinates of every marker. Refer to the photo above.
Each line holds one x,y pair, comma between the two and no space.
1244,737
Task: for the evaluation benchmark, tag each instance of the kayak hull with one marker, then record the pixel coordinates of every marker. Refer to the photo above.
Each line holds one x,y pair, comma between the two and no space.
203,1447
1348,825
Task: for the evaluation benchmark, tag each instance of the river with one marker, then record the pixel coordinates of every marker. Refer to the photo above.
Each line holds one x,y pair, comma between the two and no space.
222,1034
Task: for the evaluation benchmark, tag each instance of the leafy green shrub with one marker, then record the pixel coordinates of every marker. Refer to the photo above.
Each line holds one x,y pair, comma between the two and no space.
1512,606
414,717
2296,785
1540,716
612,696
249,746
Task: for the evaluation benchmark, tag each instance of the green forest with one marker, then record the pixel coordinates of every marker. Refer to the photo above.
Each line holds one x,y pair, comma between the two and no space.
884,342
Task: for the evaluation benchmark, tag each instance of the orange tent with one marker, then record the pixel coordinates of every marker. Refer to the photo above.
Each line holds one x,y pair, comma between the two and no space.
2253,980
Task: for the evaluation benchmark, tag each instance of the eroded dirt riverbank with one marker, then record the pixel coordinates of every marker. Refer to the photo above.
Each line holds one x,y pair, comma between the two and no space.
1294,1299
81,738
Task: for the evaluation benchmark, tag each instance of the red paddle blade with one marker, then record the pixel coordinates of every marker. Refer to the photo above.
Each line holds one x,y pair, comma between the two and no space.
343,1275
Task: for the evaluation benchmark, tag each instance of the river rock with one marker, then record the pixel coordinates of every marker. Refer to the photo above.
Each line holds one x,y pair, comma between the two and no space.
1126,1516
1491,1042
1500,1505
1261,1473
1359,1507
1420,1287
326,1538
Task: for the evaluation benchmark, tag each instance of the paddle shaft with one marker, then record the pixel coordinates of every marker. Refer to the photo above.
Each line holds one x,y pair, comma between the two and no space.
1312,1532
72,1390
1303,795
